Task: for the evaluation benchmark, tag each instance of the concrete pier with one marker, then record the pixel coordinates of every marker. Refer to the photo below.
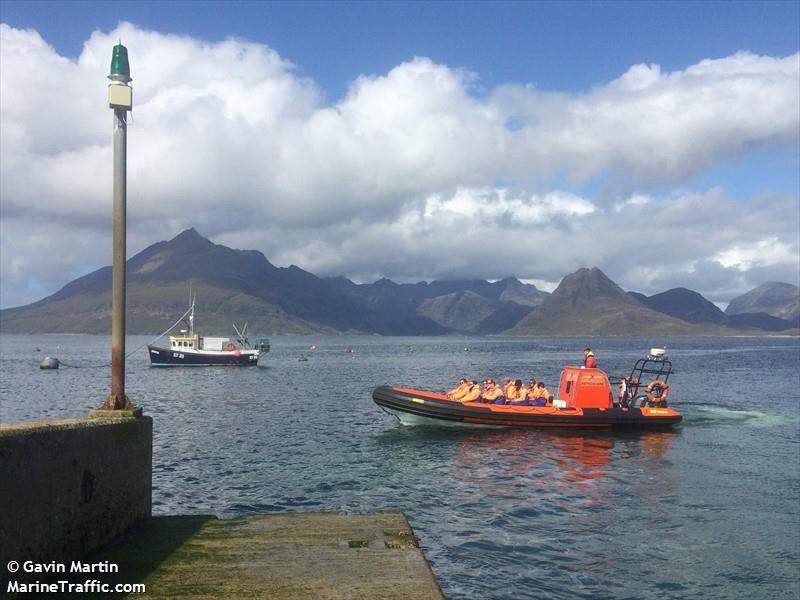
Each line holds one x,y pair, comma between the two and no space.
286,556
75,505
70,486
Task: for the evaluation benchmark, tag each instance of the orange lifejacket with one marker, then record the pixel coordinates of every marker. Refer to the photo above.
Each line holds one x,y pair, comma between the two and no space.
473,394
458,392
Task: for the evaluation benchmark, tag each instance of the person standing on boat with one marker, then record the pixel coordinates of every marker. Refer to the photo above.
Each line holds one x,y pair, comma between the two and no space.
589,360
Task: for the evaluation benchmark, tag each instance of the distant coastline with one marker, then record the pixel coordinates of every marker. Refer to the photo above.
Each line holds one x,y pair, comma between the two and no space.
235,285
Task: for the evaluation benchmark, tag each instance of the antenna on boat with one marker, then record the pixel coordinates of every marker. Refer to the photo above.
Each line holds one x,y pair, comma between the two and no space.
242,334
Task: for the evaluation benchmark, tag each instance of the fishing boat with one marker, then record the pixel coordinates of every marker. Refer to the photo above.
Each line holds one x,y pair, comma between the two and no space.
190,349
585,399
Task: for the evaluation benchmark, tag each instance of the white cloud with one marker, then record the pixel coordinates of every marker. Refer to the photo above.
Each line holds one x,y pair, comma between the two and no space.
399,178
499,206
635,200
649,127
765,252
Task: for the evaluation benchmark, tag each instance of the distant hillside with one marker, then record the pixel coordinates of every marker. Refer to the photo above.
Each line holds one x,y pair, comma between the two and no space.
242,285
524,294
589,303
780,300
471,313
685,305
692,307
230,285
461,309
469,306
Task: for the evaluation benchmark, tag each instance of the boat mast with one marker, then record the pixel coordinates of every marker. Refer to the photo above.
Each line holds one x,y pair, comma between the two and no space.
191,319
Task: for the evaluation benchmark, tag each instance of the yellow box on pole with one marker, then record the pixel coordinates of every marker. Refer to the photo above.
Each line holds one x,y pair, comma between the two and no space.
120,96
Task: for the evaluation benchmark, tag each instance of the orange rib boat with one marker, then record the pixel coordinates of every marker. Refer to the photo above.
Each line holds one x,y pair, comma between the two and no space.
585,399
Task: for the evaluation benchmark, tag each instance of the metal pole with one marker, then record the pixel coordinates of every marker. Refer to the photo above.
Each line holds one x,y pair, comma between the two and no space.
120,98
117,399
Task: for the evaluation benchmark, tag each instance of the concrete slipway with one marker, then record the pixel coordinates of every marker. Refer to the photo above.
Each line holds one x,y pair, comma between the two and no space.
286,556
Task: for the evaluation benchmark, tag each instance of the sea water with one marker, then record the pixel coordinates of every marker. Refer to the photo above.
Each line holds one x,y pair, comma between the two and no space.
708,510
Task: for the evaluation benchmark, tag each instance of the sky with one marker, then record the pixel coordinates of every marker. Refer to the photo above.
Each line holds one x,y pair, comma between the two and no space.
658,141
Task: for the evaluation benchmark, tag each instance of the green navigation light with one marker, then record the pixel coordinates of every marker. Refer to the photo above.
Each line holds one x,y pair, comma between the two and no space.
120,68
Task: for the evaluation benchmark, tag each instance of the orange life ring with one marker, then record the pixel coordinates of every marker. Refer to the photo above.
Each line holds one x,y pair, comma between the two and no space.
230,347
662,398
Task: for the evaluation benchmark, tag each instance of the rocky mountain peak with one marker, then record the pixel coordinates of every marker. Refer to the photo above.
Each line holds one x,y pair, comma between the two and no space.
589,284
190,240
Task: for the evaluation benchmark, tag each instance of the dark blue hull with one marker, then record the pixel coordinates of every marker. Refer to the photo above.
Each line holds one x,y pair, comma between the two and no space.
160,357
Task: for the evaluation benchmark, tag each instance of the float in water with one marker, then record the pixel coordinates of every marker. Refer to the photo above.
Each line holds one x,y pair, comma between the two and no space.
585,399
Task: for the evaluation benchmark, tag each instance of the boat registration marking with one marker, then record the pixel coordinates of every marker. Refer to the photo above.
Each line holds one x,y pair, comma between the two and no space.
418,400
655,411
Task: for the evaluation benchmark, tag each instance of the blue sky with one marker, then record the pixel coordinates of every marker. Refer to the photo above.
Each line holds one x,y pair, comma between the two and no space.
515,58
553,45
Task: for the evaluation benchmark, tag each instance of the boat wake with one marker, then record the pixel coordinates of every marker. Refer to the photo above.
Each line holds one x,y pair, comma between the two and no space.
710,415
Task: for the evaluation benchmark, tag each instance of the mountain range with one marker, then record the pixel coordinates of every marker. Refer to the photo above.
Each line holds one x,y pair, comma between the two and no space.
242,285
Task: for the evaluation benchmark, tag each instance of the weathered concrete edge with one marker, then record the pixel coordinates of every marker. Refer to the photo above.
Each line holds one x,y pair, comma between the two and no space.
77,484
7,429
284,555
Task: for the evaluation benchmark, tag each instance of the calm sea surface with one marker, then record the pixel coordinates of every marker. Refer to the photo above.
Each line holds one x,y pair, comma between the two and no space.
711,510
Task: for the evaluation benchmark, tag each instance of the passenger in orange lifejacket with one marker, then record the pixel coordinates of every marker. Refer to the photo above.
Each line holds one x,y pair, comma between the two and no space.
460,390
544,394
492,393
514,391
589,360
508,386
516,394
473,394
534,396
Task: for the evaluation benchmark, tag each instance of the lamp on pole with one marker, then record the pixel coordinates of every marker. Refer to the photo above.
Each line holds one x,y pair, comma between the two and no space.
120,98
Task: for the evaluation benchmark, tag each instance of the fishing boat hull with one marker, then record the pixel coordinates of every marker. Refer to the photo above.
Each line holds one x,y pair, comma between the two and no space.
164,357
414,407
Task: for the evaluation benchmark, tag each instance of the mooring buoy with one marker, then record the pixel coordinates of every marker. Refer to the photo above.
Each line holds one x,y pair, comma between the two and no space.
49,363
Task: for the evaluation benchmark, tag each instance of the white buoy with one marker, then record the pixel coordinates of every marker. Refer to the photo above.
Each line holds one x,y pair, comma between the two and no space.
49,363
